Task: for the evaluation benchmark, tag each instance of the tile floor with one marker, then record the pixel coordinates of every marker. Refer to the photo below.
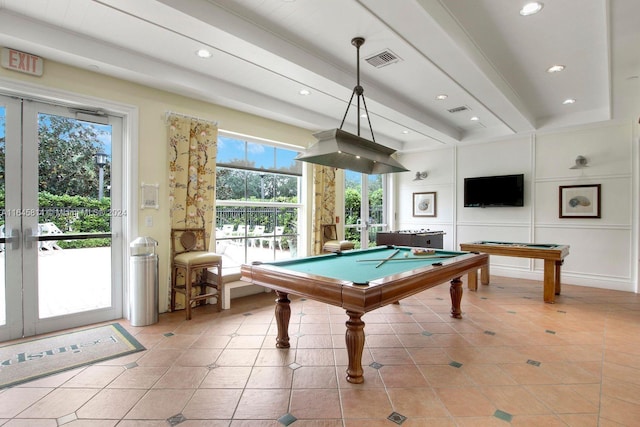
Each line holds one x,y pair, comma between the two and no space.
511,360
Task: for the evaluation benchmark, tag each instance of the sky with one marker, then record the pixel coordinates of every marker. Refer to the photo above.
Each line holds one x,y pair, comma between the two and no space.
259,155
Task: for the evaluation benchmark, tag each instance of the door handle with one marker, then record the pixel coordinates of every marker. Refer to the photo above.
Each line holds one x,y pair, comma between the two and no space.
13,239
29,238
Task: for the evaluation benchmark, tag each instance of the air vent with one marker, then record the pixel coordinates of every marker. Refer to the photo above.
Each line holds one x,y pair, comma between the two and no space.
458,109
383,58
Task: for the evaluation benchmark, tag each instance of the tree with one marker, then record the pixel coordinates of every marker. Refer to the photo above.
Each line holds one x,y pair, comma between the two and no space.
67,149
239,184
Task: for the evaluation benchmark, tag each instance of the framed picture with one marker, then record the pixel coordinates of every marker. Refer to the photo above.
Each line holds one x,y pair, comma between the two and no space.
149,195
424,204
580,201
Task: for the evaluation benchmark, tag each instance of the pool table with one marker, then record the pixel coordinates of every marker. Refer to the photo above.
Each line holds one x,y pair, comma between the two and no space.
360,281
552,254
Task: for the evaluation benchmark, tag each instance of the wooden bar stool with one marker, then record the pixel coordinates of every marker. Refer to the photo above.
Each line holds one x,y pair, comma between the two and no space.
189,257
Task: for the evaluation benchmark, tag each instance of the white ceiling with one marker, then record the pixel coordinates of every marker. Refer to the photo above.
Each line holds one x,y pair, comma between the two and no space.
481,53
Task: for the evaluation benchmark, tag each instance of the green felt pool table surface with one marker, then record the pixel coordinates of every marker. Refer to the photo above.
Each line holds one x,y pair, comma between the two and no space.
520,245
359,266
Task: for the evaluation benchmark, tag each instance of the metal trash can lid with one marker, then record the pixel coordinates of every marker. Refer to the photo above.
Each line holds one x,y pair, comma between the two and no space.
143,242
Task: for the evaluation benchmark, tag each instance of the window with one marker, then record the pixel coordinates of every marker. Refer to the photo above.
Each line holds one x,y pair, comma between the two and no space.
257,201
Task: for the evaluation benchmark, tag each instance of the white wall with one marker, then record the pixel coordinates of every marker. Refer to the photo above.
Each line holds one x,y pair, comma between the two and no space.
603,251
150,161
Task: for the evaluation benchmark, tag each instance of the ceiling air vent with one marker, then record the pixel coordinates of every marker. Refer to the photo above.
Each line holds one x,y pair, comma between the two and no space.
458,109
383,58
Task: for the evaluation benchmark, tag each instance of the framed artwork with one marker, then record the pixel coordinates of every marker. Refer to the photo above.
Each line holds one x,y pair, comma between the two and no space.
580,201
149,196
424,204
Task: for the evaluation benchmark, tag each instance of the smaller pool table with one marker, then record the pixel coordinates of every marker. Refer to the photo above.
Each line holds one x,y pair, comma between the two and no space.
360,281
552,254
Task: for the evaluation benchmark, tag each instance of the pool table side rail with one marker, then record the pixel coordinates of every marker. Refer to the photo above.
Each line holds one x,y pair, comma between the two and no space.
362,298
557,253
322,289
398,286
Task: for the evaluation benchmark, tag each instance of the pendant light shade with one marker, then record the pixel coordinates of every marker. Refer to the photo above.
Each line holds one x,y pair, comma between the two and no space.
343,150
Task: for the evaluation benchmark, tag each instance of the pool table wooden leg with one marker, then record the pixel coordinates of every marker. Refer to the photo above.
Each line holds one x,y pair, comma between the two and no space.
472,280
549,281
354,339
485,274
558,269
283,314
456,297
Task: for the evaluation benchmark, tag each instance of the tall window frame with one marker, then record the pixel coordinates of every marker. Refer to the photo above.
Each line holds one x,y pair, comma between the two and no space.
259,209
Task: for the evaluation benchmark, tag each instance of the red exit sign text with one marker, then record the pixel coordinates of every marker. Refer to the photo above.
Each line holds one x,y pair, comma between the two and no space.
21,61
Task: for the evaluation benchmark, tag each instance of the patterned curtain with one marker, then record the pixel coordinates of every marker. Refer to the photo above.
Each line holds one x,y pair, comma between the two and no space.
192,173
324,202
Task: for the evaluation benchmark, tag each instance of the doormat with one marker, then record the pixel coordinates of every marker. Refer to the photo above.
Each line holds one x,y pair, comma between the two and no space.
30,360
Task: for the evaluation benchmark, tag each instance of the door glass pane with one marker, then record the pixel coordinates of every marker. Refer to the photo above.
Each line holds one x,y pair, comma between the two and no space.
352,206
376,209
74,182
3,299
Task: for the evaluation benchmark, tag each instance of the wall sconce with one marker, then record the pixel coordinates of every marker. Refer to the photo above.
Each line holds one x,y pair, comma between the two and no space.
420,176
581,162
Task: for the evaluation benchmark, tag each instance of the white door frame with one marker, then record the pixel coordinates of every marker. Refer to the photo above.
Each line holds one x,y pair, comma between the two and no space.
129,172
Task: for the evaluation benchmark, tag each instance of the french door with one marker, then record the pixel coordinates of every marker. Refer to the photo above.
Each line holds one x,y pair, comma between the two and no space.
364,208
58,240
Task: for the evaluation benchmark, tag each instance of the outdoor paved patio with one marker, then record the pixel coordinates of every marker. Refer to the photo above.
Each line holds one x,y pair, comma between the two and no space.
77,280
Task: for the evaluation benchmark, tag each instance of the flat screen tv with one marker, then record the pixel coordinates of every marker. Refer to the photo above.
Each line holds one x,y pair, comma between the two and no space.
488,191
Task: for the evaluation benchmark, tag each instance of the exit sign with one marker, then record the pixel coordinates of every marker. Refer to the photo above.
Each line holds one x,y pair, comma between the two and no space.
21,61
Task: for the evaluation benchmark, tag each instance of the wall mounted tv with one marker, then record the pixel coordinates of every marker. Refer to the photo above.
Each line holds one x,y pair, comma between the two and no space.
490,191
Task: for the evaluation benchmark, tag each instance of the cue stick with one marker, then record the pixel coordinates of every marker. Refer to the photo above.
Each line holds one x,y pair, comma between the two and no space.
388,258
408,259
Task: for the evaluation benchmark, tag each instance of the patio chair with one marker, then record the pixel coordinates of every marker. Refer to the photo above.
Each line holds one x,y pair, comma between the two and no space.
258,232
241,232
190,259
277,239
46,229
222,236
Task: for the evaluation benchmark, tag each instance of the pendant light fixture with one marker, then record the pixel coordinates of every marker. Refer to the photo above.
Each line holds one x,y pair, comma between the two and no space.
340,149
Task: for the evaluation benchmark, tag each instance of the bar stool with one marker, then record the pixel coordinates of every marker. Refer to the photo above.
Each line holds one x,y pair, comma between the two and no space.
189,257
330,242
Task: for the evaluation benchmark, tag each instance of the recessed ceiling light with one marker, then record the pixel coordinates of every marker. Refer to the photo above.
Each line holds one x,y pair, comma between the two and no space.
441,97
405,132
363,115
569,101
531,8
555,69
304,92
203,53
474,118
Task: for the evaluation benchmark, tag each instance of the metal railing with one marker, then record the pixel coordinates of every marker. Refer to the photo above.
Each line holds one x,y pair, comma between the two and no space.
251,216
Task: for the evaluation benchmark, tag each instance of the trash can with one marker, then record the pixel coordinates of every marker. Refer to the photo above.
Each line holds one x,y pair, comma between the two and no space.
143,282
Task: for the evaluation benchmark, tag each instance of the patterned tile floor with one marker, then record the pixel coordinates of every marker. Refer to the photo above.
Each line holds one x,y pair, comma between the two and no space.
512,360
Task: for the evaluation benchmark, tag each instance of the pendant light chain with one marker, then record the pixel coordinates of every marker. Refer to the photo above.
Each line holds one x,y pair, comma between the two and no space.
359,91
